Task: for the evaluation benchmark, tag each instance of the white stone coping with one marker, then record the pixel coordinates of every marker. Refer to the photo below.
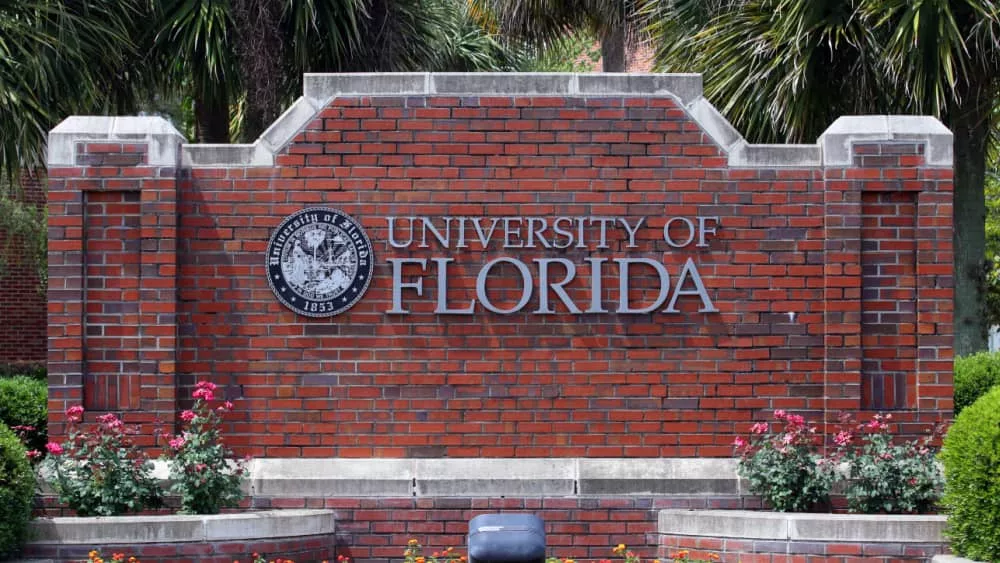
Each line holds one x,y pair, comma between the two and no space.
162,138
832,149
477,477
787,526
94,531
951,559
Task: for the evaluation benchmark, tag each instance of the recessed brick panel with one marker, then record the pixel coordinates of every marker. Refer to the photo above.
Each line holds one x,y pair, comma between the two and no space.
889,299
111,380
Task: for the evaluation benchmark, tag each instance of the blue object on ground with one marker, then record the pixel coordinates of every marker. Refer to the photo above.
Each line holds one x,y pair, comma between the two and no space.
506,538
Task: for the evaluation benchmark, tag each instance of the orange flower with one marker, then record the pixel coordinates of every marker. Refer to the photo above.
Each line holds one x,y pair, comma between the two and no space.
421,559
118,557
413,541
134,560
93,554
713,556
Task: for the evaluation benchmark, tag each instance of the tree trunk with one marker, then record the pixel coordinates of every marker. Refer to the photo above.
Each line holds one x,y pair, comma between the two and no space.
969,121
212,120
613,55
259,47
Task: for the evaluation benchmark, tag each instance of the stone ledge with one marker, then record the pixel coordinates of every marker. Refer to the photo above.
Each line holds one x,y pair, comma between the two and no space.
951,559
833,149
467,477
182,528
162,139
782,526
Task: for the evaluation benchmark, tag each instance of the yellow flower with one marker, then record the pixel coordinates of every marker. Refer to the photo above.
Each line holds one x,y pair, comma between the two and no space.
92,554
621,547
413,542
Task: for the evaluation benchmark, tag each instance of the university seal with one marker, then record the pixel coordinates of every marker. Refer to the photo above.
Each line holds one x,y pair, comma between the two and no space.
319,262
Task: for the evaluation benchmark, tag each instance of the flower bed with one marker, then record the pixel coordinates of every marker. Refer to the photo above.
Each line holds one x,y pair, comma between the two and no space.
778,537
300,535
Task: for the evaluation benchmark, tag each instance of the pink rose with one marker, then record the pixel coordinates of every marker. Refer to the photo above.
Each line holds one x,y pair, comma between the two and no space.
228,405
759,428
205,394
54,448
739,442
779,414
74,413
110,420
177,443
33,454
206,385
187,416
796,420
842,438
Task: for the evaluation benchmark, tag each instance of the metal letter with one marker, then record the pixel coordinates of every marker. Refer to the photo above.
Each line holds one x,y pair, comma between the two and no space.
670,241
596,304
558,287
691,270
442,292
623,284
398,285
702,230
392,233
526,285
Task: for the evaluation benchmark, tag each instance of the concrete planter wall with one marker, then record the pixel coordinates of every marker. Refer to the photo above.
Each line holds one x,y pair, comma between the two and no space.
301,535
769,537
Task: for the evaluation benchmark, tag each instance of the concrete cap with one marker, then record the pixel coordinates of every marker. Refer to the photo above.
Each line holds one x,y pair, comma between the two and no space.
787,526
950,559
837,141
332,477
381,477
495,477
321,88
182,528
162,138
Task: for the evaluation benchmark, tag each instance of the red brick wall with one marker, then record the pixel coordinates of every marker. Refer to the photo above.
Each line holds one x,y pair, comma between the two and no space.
22,303
367,384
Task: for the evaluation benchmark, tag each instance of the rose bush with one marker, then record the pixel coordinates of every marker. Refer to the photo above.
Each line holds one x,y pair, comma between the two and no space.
98,471
202,469
886,476
784,466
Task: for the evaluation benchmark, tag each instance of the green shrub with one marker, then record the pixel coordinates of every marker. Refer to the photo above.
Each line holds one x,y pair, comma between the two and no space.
17,488
974,376
32,370
24,407
971,457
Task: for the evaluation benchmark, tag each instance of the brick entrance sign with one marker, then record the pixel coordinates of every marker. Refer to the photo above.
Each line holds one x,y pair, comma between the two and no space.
564,267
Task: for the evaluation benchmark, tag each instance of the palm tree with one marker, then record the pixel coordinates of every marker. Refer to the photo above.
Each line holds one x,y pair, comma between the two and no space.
252,53
783,70
56,59
546,22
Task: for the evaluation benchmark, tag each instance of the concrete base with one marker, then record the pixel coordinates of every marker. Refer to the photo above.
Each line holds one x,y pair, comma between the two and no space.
297,534
774,536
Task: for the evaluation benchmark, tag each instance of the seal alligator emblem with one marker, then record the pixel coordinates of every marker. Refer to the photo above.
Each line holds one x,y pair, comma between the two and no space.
319,262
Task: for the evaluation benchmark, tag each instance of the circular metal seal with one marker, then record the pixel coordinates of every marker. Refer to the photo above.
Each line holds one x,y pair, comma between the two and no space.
319,262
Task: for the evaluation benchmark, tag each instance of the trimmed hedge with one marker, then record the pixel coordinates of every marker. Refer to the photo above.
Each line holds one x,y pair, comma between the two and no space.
24,402
974,376
32,370
17,489
971,456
